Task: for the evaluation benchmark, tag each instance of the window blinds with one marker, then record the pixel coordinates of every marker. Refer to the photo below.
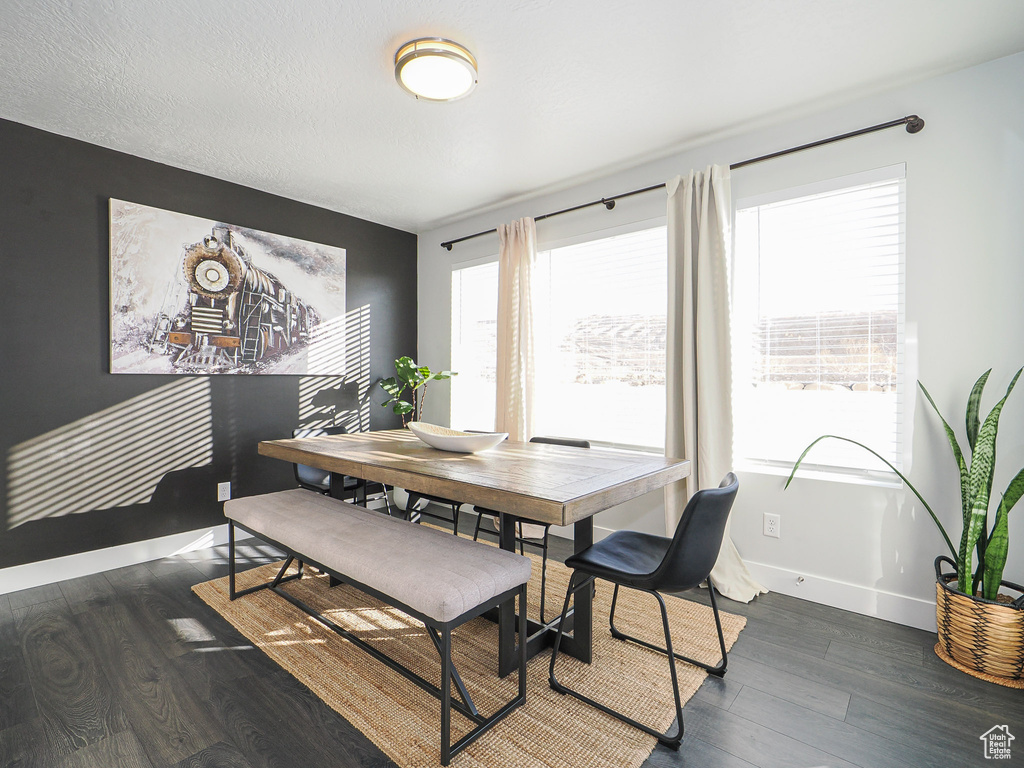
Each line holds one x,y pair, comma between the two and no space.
474,346
822,311
600,339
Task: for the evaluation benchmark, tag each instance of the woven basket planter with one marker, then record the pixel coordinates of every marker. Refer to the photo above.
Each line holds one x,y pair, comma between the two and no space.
983,638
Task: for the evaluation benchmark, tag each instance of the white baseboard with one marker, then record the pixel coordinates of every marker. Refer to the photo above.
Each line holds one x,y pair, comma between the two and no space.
909,611
29,575
901,609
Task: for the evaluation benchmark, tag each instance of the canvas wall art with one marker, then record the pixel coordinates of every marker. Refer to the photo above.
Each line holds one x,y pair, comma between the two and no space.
195,296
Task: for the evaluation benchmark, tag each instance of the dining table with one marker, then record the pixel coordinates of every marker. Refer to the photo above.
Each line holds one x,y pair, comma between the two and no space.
529,482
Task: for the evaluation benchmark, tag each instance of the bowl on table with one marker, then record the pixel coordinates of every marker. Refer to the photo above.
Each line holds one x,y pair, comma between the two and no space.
446,439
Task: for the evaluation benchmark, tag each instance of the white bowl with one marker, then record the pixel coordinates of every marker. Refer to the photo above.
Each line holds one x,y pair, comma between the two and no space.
453,440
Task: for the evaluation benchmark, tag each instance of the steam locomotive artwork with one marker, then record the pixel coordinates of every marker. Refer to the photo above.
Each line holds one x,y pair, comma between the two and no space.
190,296
235,314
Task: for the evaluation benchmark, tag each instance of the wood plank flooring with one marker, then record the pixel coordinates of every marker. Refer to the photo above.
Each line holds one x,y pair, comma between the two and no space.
128,668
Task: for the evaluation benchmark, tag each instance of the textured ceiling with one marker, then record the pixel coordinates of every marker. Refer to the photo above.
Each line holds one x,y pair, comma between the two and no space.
299,99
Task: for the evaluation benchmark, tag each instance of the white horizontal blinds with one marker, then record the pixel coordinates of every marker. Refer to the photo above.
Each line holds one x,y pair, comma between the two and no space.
600,339
474,346
825,326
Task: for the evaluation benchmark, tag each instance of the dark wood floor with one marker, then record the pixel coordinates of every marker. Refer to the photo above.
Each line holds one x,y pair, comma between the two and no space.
128,668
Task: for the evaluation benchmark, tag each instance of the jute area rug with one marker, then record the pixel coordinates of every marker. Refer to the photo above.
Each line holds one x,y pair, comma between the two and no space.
404,722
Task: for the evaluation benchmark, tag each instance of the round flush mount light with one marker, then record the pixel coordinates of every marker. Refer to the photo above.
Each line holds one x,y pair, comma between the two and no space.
435,69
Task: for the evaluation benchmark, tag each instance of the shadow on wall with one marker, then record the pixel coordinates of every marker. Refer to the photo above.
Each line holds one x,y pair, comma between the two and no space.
326,401
902,569
113,458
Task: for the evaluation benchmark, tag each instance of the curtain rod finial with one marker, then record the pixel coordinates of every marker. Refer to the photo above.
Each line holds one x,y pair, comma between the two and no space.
914,124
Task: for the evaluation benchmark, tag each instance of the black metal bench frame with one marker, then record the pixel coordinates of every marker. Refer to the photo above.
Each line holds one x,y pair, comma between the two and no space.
440,633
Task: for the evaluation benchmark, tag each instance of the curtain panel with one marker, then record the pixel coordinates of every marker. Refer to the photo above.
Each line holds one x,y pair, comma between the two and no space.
517,259
699,365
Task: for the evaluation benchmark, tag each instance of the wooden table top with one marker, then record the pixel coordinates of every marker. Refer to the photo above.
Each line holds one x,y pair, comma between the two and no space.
547,483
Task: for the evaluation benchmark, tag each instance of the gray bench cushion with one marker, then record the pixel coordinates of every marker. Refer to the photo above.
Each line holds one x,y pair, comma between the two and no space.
431,571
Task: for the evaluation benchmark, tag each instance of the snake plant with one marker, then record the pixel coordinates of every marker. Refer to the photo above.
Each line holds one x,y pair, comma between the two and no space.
977,536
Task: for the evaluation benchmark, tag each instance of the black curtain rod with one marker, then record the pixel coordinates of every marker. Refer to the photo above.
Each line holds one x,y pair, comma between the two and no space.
913,122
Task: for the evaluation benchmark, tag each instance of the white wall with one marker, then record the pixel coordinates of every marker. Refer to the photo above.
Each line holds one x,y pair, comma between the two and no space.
866,548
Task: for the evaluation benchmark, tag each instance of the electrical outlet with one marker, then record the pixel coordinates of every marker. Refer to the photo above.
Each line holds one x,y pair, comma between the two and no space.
772,524
224,491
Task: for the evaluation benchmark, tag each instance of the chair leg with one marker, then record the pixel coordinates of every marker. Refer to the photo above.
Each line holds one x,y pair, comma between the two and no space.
476,531
543,561
672,742
570,590
411,513
543,573
718,671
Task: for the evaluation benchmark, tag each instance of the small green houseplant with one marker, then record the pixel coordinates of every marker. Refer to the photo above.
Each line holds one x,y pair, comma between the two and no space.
414,378
976,637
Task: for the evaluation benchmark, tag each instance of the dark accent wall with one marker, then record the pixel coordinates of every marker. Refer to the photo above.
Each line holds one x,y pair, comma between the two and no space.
54,338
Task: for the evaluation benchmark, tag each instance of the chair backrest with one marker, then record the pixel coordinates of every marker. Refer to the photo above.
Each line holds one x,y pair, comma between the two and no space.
311,476
698,538
569,441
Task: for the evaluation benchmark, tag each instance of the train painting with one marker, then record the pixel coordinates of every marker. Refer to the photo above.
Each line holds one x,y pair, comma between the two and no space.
235,313
194,296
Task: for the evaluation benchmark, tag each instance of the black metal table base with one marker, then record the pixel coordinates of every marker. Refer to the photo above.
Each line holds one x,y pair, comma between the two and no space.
542,636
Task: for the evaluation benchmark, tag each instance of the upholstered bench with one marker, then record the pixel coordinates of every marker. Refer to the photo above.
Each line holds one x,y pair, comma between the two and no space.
437,578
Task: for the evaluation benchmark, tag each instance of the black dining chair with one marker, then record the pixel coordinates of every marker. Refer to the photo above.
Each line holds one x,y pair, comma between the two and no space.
415,514
542,542
319,480
656,564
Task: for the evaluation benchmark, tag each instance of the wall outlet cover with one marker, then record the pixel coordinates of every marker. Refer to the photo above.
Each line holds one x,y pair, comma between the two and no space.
223,491
772,524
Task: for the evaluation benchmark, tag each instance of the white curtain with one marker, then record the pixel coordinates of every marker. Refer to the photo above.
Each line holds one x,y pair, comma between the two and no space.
517,259
699,370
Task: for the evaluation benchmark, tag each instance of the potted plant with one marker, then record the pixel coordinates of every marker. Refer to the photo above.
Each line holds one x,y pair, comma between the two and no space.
980,630
414,378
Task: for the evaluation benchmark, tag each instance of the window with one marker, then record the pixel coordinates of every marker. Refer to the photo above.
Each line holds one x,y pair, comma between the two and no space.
818,322
474,346
599,332
600,339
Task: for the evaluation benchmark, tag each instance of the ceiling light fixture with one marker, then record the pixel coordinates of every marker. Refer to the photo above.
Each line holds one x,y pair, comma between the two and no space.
435,69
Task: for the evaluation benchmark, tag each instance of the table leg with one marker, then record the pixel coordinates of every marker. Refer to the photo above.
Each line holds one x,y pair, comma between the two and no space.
337,492
580,644
337,485
507,658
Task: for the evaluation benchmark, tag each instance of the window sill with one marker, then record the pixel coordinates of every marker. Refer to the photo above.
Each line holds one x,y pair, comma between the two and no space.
628,448
865,477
